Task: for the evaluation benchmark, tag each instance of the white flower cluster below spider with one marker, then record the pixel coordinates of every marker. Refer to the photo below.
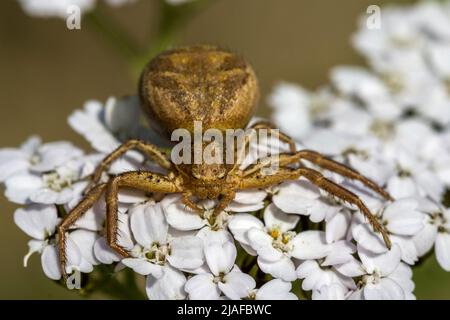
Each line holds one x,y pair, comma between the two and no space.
265,240
392,123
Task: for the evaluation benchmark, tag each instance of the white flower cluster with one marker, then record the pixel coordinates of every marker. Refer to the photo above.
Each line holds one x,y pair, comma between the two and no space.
265,239
182,254
392,123
58,8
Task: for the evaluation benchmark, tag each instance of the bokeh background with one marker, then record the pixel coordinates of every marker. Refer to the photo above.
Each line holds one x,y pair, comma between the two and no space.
47,71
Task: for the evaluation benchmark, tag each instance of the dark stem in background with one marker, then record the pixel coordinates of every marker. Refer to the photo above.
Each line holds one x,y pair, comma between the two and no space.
172,20
119,285
112,33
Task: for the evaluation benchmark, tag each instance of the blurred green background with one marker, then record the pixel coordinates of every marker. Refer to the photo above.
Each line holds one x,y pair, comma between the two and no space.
47,71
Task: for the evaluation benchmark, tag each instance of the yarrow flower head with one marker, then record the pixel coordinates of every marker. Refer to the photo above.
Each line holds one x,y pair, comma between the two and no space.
374,120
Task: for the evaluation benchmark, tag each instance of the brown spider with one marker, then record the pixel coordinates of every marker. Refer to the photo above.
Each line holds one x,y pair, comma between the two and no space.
218,88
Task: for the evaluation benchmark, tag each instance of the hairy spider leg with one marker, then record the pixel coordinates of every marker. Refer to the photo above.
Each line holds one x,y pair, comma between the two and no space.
150,150
322,162
247,139
258,180
141,180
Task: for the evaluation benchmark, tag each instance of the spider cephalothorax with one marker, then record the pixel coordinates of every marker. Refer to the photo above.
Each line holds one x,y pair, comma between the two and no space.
218,89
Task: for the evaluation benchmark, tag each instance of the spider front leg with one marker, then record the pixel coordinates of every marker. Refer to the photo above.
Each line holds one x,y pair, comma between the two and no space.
143,180
226,199
258,180
70,219
242,150
275,132
334,166
316,158
148,149
186,200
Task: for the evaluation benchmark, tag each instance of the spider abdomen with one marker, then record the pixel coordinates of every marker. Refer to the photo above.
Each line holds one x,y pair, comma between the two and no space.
198,83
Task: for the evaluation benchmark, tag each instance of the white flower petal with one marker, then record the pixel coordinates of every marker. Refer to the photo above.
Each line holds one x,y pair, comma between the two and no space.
386,289
309,245
275,218
182,218
186,252
148,224
50,262
403,218
368,239
296,197
85,241
339,253
144,267
384,263
281,269
220,257
202,287
104,253
261,242
239,224
169,286
33,247
275,289
20,187
442,248
425,239
38,221
236,285
337,226
250,196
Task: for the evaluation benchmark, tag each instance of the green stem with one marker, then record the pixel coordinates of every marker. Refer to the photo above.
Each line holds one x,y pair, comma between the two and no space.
113,34
173,20
119,285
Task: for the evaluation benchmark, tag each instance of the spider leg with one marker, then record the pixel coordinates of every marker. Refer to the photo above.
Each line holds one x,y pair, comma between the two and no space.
71,218
224,202
275,132
146,181
258,180
241,153
148,149
339,168
140,180
186,200
316,158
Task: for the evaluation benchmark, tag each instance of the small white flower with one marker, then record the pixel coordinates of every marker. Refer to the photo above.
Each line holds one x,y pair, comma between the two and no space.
223,278
292,109
169,285
56,187
436,232
315,277
302,197
403,220
106,126
380,276
157,247
275,242
182,218
275,289
39,222
36,157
